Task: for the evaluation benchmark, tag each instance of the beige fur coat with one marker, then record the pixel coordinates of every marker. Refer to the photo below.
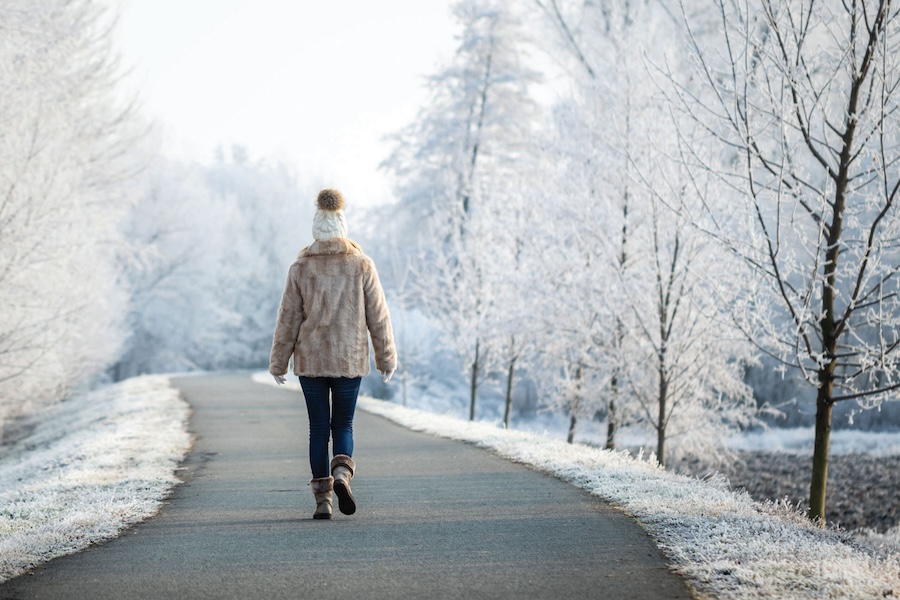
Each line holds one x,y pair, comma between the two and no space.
332,300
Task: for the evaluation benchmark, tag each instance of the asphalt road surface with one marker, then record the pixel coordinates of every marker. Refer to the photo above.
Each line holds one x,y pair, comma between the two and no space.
436,519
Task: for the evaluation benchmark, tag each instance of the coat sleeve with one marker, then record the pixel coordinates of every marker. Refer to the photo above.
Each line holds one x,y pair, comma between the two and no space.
378,321
290,316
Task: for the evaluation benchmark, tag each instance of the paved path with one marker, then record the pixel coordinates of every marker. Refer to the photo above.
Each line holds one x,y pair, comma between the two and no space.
436,519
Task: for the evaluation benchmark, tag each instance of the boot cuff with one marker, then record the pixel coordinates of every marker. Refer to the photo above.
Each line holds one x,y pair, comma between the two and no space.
342,460
323,484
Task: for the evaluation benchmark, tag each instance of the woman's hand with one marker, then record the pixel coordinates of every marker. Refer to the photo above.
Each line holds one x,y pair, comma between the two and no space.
279,379
386,375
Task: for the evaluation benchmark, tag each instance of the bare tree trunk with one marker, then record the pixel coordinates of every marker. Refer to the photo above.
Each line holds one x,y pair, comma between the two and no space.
666,318
576,404
403,386
611,419
819,481
573,424
830,333
479,126
474,383
661,419
509,387
824,403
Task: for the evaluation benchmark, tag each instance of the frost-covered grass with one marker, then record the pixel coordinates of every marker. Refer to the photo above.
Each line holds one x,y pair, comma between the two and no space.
91,466
725,544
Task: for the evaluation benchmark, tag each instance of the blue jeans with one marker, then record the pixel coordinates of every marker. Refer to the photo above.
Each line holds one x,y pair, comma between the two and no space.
335,418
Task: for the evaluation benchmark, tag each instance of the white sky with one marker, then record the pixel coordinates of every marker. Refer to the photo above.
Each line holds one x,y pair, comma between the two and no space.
316,83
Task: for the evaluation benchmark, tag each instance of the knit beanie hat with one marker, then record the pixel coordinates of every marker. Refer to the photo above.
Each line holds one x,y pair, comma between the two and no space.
329,222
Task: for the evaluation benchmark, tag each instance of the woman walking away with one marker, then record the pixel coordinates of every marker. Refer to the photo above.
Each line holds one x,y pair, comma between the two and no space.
332,298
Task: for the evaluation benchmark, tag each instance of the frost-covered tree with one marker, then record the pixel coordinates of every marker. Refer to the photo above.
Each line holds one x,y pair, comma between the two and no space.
455,166
515,240
586,191
689,381
802,98
457,290
209,246
173,255
602,44
67,154
569,261
479,116
570,327
267,221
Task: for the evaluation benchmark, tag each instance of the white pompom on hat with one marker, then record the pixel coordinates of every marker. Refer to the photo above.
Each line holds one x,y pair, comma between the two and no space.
329,222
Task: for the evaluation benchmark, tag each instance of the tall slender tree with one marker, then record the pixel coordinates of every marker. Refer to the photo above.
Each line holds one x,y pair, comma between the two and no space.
802,97
449,165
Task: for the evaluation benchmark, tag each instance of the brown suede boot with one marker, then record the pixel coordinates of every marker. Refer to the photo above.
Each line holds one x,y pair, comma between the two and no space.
322,488
342,468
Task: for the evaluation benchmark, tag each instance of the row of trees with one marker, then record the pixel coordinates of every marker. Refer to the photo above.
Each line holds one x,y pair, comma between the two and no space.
624,204
710,185
559,241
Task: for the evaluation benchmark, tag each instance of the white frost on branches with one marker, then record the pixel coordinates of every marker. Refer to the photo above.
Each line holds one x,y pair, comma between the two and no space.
67,156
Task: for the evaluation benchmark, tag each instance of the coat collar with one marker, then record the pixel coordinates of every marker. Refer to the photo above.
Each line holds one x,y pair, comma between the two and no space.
332,246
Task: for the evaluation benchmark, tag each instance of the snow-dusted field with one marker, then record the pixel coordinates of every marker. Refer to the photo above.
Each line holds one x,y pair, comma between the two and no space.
92,466
799,440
